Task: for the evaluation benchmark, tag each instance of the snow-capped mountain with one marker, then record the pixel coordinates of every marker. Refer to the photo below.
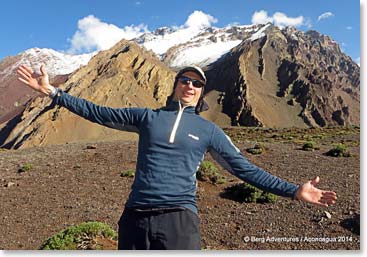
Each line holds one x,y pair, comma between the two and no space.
200,45
197,45
208,47
273,77
56,63
176,47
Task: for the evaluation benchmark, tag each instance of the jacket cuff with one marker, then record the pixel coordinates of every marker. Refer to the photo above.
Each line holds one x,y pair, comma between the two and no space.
55,92
294,197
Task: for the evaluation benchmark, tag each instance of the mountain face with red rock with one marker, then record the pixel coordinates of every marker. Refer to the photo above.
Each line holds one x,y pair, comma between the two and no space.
258,75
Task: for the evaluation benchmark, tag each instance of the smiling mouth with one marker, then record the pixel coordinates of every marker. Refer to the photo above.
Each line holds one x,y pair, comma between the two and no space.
188,94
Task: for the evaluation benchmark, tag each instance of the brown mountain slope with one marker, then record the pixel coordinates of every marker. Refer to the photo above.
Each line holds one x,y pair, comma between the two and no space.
125,75
287,78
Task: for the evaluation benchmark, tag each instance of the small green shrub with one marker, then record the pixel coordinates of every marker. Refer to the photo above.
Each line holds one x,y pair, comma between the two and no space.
209,172
244,192
79,237
309,146
128,173
25,167
340,150
287,137
319,136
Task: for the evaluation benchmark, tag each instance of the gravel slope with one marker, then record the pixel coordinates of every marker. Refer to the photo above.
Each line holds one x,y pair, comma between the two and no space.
72,183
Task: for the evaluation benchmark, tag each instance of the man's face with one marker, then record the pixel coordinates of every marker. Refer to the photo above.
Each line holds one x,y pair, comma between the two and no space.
186,92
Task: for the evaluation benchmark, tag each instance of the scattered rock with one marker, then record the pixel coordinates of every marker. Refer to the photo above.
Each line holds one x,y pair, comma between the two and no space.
91,147
10,184
257,149
327,214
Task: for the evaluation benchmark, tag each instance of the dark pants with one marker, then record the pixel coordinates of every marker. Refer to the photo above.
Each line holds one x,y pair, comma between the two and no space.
159,230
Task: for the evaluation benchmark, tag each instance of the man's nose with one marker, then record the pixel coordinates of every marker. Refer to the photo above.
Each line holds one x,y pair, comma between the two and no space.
190,85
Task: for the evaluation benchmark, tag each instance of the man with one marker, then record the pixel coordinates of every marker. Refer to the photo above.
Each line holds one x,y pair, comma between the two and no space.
161,211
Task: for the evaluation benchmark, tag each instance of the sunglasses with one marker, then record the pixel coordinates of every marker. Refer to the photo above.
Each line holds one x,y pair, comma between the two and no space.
186,81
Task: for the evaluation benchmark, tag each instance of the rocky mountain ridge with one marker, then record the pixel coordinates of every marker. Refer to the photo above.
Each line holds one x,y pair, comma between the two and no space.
272,78
288,78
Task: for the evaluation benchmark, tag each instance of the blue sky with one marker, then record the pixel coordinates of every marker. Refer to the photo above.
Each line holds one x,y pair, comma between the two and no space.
54,24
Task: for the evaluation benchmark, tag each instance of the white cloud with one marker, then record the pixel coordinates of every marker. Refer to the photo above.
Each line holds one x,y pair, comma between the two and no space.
198,19
93,34
349,28
358,61
278,19
282,20
325,15
261,17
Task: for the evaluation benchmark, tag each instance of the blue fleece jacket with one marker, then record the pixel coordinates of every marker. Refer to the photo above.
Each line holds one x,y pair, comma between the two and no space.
172,144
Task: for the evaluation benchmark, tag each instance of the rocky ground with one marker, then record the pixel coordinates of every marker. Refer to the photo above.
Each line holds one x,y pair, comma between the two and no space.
77,182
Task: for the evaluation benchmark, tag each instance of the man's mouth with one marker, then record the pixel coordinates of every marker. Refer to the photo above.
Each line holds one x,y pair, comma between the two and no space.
188,94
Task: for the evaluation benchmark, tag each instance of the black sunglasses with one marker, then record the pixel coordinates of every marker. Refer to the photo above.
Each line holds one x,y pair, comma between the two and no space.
186,80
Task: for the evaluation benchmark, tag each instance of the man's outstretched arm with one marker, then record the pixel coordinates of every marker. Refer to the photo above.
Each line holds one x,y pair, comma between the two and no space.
118,118
230,157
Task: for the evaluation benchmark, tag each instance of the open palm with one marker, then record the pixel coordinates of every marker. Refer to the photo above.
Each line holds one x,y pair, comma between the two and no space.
38,82
309,193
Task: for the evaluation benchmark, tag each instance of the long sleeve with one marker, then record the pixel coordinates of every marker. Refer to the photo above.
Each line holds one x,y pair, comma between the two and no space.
229,156
117,118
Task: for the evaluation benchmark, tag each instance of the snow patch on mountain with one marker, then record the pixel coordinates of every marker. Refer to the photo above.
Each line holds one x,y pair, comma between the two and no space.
199,45
56,63
260,33
163,39
161,43
203,54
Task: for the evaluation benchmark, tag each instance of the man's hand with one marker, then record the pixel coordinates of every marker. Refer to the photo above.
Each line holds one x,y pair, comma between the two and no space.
38,82
309,193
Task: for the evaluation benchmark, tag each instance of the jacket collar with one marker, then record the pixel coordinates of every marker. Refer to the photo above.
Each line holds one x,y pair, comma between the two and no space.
175,106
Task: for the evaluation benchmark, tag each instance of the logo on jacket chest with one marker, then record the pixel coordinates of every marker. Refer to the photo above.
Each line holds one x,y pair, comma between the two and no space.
193,137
